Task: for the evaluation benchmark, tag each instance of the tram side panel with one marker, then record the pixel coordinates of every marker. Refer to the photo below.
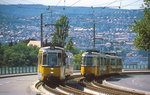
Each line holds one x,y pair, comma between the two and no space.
69,64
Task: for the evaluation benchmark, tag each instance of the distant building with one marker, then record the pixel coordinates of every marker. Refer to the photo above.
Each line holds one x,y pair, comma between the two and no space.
34,43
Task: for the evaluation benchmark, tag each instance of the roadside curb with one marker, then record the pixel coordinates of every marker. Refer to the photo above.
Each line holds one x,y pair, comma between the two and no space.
16,75
34,89
125,88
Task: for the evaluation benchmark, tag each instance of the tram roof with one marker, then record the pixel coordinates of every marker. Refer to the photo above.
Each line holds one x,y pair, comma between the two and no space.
52,48
69,54
90,54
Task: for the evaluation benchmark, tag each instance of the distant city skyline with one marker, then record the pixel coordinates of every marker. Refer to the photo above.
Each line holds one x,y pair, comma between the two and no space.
123,4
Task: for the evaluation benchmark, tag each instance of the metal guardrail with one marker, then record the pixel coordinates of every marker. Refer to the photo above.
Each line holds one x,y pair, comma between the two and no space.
32,69
17,70
135,66
125,66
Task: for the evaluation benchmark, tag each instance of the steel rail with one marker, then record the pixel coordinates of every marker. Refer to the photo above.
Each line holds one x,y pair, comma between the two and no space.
51,85
53,90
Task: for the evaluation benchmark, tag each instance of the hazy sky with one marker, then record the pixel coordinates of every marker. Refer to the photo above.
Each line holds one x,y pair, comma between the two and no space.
125,4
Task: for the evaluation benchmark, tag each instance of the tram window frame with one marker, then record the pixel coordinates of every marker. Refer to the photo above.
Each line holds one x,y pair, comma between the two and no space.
95,61
44,59
101,59
98,61
83,61
40,59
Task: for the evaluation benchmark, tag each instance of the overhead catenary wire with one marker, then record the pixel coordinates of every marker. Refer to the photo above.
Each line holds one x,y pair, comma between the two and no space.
30,1
131,3
5,2
58,2
106,4
75,3
111,3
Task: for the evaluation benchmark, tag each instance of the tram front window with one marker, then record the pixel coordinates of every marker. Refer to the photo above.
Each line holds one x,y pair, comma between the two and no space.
52,60
89,61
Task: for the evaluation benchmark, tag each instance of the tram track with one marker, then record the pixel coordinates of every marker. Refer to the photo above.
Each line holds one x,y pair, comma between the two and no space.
98,89
114,91
55,91
38,84
53,86
97,85
77,85
65,87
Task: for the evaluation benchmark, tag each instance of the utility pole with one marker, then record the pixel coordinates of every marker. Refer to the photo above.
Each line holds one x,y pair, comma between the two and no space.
149,59
93,27
41,29
93,34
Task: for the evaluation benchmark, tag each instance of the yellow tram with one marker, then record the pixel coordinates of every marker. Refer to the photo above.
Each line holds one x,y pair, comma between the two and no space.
54,63
96,64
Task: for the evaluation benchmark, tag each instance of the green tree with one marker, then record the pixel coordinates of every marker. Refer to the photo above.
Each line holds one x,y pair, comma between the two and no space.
78,58
61,31
20,55
70,47
142,30
2,49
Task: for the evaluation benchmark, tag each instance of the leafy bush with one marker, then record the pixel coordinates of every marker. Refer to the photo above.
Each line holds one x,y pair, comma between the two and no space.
18,55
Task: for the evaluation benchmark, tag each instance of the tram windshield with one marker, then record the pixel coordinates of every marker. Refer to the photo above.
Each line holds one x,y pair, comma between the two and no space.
52,59
88,61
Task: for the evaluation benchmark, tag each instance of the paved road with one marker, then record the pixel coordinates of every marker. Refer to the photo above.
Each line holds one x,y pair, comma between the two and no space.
17,85
138,81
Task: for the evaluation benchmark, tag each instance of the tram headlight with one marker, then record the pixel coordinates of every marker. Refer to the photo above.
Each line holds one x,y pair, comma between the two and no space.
52,72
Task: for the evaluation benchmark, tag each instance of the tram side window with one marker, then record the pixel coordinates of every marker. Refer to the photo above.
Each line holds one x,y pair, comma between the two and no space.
98,61
68,60
59,60
59,55
71,61
107,61
117,62
104,61
101,61
120,62
112,61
